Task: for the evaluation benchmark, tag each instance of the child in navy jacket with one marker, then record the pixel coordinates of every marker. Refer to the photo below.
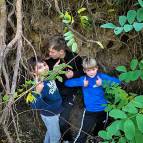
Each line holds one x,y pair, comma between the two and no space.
93,96
47,100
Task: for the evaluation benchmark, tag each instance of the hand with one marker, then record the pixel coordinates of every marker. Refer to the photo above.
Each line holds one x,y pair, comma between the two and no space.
39,87
69,74
85,82
98,81
57,63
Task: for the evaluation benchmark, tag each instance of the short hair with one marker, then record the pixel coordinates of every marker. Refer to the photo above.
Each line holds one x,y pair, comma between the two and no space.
32,62
89,63
58,43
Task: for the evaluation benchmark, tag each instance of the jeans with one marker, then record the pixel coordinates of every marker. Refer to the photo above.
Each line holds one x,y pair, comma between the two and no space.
53,134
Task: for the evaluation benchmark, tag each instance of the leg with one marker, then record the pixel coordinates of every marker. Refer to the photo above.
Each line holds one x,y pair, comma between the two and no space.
64,122
53,134
87,123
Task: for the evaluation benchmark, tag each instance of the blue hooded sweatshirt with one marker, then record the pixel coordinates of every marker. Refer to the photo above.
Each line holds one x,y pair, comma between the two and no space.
49,101
93,95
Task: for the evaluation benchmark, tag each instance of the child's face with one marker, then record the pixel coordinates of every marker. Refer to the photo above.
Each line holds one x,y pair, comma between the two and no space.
41,67
91,72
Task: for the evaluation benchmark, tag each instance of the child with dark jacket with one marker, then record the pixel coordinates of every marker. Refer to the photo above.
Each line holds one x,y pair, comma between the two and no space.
93,96
47,100
59,52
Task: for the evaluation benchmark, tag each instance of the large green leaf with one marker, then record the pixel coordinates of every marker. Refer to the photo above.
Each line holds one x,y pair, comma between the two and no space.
133,64
118,30
122,20
139,119
141,64
140,14
117,114
70,42
137,104
121,69
141,76
123,76
134,75
139,99
140,2
122,140
138,26
138,137
108,25
128,27
104,135
131,15
130,108
114,128
74,47
129,129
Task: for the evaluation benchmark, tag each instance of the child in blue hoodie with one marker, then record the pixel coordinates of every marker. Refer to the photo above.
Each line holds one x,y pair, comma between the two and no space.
47,100
93,96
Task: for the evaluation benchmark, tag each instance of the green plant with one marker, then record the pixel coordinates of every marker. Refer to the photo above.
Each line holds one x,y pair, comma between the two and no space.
127,112
135,72
133,20
125,108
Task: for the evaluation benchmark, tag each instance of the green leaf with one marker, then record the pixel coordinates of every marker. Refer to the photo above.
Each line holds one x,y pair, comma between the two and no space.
69,33
133,75
140,2
138,26
137,104
59,78
70,42
131,15
67,38
128,27
130,108
141,76
140,14
121,69
118,30
138,137
5,98
104,135
133,64
117,114
129,129
122,140
74,47
123,76
114,128
81,10
122,20
139,99
108,25
141,64
139,119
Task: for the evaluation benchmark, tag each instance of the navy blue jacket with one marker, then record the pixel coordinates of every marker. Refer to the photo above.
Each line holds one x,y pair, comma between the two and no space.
49,101
93,95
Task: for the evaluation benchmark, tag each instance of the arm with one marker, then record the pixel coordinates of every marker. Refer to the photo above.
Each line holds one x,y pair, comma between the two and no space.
109,79
75,82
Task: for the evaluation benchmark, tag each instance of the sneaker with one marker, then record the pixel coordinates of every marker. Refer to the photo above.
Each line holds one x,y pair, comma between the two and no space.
65,141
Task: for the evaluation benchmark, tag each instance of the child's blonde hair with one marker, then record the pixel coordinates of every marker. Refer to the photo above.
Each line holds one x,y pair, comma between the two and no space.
89,63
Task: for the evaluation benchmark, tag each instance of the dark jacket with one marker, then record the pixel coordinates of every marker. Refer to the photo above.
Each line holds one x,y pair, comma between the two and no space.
49,101
76,64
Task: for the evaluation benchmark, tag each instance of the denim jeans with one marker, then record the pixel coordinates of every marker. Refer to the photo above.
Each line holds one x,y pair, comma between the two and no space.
53,134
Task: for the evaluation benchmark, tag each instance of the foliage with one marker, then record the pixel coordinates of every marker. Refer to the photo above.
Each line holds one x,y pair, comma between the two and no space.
30,84
133,20
135,72
68,20
126,109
